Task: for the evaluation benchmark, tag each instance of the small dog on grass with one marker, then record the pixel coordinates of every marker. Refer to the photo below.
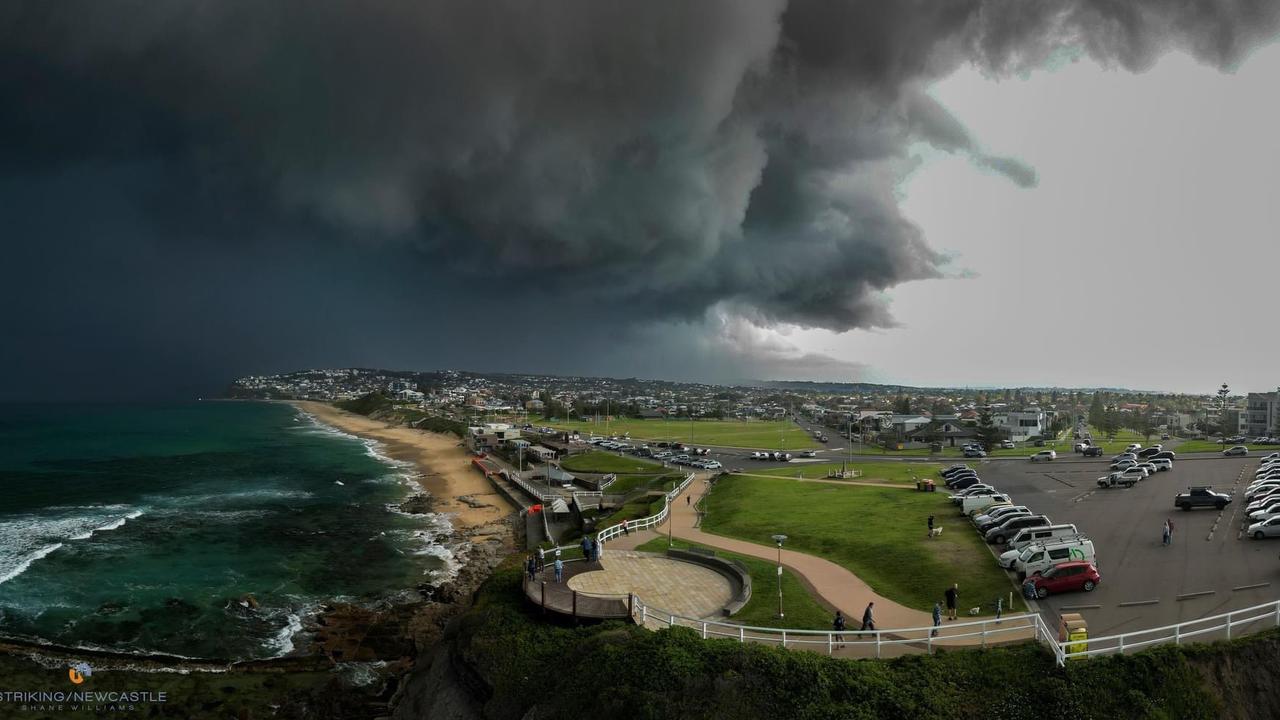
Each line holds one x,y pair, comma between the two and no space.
935,532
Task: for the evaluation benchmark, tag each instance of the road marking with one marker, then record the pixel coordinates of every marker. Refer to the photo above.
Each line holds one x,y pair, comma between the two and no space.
1251,587
1078,498
1079,607
1139,602
1202,593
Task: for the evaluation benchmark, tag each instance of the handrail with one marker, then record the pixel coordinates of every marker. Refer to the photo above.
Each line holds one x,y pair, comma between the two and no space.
645,523
1133,640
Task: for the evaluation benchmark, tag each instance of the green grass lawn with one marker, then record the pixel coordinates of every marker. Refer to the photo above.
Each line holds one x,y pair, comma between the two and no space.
769,434
895,472
596,461
804,611
877,533
627,483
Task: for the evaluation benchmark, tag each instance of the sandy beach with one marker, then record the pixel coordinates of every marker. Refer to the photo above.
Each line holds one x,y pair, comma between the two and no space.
444,468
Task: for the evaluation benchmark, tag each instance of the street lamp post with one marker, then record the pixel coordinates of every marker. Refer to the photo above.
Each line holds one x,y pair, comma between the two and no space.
780,539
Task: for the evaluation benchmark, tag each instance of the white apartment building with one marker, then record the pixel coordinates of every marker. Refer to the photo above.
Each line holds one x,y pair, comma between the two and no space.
1021,425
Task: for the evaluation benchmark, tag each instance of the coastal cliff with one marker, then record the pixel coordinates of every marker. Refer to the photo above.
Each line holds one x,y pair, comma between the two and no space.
500,661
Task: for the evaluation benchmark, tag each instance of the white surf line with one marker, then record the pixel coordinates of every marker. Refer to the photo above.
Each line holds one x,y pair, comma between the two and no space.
1255,586
1190,595
1131,603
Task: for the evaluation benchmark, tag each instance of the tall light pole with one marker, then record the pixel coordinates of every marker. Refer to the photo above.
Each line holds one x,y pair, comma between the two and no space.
780,539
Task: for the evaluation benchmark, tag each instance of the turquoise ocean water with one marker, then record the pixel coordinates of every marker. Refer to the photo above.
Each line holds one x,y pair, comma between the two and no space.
140,528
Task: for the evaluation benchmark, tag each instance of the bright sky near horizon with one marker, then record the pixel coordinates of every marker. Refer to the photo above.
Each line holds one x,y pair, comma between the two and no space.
1146,257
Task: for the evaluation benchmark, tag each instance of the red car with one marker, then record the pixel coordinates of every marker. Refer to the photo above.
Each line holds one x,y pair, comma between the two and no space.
1065,577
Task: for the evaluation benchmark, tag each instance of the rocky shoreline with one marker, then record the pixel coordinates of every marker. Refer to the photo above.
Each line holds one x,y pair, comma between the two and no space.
358,658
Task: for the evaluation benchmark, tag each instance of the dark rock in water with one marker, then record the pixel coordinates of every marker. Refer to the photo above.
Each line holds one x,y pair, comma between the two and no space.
418,504
111,608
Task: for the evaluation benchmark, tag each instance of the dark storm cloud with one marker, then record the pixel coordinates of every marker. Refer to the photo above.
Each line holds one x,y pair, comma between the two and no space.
650,160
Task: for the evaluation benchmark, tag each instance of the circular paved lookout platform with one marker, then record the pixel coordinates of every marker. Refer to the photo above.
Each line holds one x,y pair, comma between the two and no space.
677,587
602,590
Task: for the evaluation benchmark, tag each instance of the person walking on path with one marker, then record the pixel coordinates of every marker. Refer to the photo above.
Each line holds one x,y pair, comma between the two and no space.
1169,522
838,626
531,567
1165,535
937,618
951,595
930,526
625,529
559,570
868,621
688,500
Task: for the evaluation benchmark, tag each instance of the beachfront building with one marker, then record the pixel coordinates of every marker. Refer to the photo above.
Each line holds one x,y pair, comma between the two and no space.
483,438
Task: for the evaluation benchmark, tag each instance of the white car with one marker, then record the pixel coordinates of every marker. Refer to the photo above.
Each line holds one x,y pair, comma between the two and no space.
712,464
998,512
1007,444
1133,448
1123,464
1272,509
809,454
1238,450
1265,529
1161,464
1044,456
1133,473
1151,469
1261,502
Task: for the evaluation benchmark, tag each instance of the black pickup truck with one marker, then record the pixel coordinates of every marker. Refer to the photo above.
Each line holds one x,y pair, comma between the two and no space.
1201,497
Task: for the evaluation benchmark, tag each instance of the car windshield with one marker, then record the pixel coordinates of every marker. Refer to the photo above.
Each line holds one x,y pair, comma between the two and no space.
1027,553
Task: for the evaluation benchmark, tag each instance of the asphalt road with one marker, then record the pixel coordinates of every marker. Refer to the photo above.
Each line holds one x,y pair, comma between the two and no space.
1210,568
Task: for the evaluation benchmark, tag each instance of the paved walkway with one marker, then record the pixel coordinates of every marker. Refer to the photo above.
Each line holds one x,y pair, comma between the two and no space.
676,587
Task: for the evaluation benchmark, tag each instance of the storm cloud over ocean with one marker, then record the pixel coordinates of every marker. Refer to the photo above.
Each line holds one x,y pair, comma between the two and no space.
199,190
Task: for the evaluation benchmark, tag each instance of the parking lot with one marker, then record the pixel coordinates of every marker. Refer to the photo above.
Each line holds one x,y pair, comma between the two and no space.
1210,568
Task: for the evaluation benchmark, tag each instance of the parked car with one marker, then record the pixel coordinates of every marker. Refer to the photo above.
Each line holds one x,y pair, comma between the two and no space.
979,502
1151,469
1125,456
1081,446
1147,453
1044,456
965,484
1035,559
1265,529
712,464
1133,448
1066,577
1137,472
1238,450
947,472
1165,455
809,454
1269,510
996,513
975,453
1262,502
1117,480
1035,536
1014,511
1007,444
1161,464
1007,529
1203,496
1122,465
1093,451
973,490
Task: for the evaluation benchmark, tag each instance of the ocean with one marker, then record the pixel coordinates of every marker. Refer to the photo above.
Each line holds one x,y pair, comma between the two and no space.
144,528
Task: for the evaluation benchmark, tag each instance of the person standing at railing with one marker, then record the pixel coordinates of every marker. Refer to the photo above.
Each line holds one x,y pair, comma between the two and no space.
837,625
868,620
559,570
531,567
625,529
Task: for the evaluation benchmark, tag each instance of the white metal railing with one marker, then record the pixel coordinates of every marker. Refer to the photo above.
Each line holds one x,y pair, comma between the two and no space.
607,480
614,531
1010,628
1267,614
529,488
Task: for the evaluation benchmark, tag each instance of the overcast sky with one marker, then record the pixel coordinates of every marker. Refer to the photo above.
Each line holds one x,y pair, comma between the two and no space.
1148,255
977,192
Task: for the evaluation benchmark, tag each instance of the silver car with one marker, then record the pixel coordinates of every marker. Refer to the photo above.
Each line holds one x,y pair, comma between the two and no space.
1265,529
